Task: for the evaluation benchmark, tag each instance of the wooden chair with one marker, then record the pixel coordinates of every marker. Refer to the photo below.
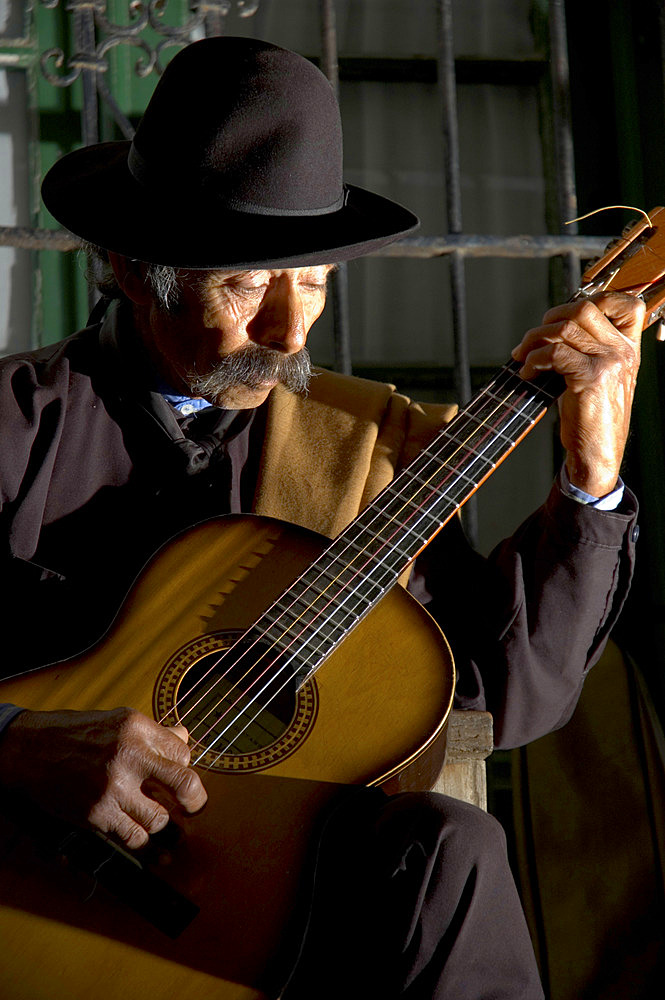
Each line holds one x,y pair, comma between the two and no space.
470,742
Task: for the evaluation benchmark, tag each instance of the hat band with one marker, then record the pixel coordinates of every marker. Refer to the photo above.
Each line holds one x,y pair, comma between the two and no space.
142,172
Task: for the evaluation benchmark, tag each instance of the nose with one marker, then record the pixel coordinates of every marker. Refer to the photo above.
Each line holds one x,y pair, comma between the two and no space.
280,321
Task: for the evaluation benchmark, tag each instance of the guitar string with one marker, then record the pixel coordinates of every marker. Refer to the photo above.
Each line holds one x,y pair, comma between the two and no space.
493,385
312,651
229,649
439,467
250,721
606,208
317,597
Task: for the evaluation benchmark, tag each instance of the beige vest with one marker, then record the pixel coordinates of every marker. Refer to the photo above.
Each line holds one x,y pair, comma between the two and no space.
328,454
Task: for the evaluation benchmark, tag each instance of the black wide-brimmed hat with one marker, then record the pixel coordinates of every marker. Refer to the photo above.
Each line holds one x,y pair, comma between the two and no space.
237,162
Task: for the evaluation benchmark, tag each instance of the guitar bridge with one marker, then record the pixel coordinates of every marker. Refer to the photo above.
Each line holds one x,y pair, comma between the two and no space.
123,875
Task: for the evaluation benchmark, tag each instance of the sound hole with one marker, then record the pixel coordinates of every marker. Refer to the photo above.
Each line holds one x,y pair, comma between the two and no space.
236,704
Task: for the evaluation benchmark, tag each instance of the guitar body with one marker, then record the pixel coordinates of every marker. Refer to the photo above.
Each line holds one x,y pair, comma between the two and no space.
375,708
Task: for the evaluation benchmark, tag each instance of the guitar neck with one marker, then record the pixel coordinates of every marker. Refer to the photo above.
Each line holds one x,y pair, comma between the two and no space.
367,558
427,493
315,614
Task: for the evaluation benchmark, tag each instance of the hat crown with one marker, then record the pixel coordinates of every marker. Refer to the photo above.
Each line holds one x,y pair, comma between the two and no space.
252,125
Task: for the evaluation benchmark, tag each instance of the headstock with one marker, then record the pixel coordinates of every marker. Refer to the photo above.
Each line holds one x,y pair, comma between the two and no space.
635,264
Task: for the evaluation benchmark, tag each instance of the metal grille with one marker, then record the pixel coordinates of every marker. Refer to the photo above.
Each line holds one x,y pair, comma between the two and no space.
147,31
95,36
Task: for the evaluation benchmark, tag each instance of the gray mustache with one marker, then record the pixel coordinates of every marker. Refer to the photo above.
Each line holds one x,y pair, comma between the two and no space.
252,366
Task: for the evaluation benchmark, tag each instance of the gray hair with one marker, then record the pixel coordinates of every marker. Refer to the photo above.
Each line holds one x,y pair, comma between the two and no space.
165,282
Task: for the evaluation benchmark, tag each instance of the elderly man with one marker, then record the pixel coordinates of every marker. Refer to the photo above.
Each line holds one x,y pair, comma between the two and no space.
187,397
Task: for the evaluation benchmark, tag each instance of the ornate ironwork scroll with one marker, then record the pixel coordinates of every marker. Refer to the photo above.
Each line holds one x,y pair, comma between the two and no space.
95,36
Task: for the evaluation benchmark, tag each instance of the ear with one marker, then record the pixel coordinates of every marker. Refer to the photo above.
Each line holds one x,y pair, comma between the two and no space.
130,275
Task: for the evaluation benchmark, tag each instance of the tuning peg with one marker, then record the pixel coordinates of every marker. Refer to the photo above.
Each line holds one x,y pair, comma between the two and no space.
626,231
616,242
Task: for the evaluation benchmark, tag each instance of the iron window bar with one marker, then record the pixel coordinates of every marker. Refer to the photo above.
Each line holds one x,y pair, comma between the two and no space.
584,247
95,36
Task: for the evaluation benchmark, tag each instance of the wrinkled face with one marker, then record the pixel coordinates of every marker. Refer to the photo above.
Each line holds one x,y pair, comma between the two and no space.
235,334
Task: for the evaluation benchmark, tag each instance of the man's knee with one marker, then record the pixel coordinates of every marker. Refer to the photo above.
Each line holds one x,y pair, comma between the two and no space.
441,824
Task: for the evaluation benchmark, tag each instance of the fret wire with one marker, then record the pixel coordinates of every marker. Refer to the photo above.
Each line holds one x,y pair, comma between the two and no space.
334,579
445,435
479,453
476,457
520,405
521,396
336,629
450,473
387,516
480,447
460,474
365,551
311,622
356,593
389,522
499,434
411,502
344,629
410,528
548,385
360,549
448,437
324,573
469,454
506,419
312,617
379,584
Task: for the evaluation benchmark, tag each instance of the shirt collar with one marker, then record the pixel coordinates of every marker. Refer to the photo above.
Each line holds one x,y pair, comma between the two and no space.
117,327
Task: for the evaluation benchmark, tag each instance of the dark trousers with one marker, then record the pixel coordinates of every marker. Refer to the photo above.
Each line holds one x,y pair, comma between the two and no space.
414,899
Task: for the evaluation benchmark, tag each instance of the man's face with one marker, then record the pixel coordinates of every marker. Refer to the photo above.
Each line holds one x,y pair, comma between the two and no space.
235,334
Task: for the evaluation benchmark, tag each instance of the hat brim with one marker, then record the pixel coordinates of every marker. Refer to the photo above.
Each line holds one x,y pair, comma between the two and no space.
93,194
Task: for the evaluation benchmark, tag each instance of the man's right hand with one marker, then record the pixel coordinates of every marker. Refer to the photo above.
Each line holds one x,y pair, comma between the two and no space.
117,771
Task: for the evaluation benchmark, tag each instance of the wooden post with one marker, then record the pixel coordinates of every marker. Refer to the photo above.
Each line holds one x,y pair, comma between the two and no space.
470,742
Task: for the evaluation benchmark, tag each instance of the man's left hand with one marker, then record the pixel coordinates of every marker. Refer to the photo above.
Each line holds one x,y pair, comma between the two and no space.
595,344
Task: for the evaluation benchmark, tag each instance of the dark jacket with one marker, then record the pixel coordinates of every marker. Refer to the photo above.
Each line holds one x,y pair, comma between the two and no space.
96,471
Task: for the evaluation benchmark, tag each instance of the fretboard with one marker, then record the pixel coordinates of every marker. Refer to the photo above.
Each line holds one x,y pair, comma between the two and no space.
365,560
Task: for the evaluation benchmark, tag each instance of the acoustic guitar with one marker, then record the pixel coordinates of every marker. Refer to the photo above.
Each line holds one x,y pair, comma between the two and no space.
299,668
